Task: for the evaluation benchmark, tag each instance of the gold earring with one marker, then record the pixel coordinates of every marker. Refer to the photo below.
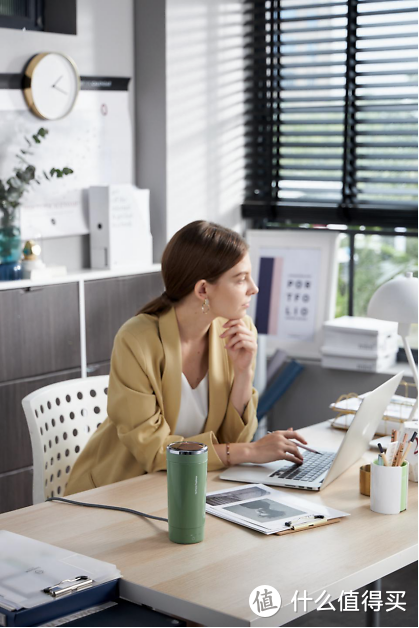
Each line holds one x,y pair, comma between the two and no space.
205,307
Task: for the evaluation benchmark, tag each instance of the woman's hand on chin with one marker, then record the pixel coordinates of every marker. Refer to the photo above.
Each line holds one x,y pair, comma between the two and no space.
240,344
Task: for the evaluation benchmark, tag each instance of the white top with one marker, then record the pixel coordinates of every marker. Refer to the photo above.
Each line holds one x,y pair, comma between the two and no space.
193,408
85,274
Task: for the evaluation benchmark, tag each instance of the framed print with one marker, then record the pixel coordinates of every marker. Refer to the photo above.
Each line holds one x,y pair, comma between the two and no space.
296,272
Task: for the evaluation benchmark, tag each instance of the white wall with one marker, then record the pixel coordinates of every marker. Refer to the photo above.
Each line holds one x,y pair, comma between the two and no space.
204,112
103,46
187,95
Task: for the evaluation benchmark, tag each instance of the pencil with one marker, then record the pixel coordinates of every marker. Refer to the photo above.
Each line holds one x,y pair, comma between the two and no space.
408,447
400,452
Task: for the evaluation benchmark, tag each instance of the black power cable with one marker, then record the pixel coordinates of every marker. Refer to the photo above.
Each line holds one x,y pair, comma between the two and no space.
129,510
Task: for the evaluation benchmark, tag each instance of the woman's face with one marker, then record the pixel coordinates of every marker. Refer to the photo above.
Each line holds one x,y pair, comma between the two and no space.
230,296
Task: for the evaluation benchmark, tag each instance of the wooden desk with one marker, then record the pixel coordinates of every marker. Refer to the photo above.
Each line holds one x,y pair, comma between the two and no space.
209,583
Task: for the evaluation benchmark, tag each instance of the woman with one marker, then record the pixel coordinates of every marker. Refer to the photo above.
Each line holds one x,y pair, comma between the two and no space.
183,367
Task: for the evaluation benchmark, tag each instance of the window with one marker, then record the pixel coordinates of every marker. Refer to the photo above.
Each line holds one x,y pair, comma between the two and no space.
331,95
21,14
368,259
51,16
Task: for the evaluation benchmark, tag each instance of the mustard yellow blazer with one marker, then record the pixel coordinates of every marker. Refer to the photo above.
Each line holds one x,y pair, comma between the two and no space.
144,400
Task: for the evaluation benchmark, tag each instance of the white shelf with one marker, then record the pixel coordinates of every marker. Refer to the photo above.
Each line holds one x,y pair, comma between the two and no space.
82,275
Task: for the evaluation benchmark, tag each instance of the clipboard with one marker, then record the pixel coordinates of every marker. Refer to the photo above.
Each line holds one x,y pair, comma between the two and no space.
307,526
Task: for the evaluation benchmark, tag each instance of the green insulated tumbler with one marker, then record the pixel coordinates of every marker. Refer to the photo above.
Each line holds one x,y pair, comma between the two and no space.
186,490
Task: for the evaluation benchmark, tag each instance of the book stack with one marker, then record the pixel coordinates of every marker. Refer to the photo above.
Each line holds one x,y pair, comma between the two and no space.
355,343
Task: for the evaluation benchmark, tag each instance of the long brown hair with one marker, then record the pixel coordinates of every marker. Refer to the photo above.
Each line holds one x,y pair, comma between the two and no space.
200,250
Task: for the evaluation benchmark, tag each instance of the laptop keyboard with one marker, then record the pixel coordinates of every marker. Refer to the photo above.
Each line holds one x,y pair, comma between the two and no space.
313,466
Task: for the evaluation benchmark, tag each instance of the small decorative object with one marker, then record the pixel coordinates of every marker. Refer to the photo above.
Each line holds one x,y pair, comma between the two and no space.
51,85
31,251
11,192
365,479
31,258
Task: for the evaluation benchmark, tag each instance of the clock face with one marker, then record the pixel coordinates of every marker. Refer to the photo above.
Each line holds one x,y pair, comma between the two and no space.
54,86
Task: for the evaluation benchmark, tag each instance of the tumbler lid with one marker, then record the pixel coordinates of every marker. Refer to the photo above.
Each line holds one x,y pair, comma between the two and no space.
187,448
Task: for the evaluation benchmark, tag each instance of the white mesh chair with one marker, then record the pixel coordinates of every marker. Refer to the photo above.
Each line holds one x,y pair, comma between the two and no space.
61,418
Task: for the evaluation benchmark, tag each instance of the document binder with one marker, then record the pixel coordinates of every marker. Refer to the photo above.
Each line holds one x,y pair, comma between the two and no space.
40,582
59,607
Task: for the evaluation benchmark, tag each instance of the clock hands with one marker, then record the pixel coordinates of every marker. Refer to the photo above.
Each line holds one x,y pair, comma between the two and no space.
57,81
59,88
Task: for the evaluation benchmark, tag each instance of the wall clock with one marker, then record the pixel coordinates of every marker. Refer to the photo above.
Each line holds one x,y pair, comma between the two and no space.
51,85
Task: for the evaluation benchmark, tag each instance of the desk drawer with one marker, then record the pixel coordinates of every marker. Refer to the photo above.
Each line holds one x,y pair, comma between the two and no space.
39,330
16,490
111,302
15,444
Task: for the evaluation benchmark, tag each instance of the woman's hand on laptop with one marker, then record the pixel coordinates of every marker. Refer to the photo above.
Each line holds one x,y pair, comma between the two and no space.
277,446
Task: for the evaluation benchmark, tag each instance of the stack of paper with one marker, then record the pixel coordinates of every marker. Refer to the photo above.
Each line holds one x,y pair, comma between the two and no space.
27,567
264,509
357,343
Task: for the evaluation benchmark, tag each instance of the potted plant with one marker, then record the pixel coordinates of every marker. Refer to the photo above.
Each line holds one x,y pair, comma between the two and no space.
11,192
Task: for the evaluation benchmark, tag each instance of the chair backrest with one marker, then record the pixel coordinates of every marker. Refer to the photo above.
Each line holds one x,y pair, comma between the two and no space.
61,418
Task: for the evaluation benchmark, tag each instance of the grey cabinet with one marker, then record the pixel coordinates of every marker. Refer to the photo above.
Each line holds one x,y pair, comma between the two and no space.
42,342
15,446
15,490
39,330
111,302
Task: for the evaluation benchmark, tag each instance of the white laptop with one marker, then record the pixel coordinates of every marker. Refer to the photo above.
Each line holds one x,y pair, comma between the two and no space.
316,472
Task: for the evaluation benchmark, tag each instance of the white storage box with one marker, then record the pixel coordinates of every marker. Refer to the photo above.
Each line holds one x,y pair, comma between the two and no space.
351,363
119,217
360,336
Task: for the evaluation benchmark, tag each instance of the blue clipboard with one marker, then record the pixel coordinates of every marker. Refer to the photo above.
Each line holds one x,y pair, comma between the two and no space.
71,603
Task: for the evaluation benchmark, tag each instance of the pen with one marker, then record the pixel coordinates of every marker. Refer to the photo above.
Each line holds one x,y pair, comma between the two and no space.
383,456
399,453
408,447
306,519
313,451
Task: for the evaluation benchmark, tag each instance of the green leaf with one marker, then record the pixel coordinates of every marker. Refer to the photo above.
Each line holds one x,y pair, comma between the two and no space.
36,140
13,182
68,171
52,171
43,132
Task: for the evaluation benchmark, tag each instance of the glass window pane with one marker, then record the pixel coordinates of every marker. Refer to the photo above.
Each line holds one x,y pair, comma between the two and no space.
342,294
378,259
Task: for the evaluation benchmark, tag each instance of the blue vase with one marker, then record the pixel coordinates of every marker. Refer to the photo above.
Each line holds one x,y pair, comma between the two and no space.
10,271
10,248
